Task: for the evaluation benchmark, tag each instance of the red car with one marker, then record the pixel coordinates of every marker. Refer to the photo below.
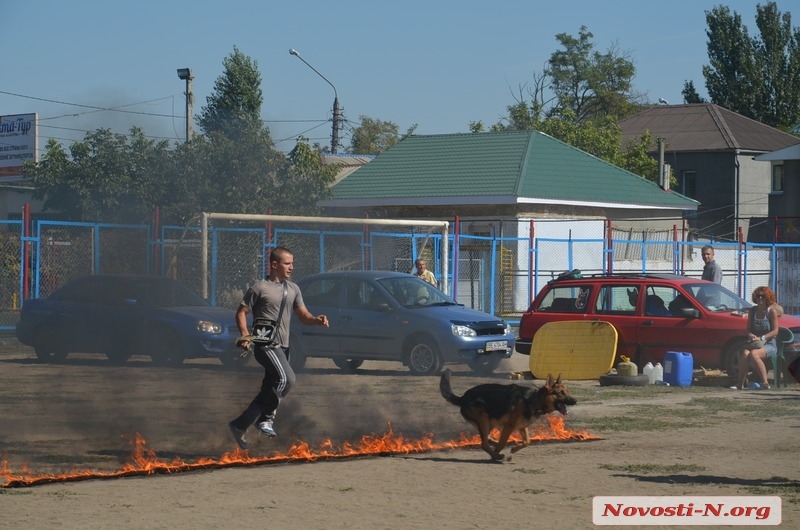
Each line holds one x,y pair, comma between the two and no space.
653,314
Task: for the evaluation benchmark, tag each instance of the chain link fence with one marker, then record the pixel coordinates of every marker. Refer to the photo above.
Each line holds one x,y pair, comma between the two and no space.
238,248
496,267
10,272
63,251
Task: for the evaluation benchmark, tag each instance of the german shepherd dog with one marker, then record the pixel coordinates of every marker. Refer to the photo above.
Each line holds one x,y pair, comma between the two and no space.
507,408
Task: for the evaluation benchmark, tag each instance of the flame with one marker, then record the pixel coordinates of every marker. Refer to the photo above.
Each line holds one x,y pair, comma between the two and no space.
144,460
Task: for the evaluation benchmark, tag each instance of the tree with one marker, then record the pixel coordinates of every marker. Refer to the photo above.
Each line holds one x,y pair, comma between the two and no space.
690,94
374,136
237,167
108,177
234,108
588,83
310,181
778,56
757,77
232,167
578,99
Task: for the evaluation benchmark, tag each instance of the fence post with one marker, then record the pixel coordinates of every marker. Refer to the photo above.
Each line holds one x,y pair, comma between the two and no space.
675,249
742,263
456,254
365,246
609,248
157,239
26,250
531,242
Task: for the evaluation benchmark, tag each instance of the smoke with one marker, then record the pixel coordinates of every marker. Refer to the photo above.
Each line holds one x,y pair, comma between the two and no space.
350,409
84,413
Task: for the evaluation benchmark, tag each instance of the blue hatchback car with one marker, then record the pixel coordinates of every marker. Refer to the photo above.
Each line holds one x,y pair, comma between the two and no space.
121,316
394,316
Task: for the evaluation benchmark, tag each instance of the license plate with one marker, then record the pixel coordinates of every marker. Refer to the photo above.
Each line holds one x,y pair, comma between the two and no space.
494,345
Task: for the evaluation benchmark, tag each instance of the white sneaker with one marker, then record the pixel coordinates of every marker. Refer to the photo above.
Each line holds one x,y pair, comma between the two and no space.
266,428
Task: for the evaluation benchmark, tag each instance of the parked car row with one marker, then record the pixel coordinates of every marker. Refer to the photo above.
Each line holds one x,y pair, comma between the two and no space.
653,314
387,316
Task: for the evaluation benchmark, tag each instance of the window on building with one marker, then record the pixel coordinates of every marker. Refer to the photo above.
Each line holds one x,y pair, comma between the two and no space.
688,184
777,177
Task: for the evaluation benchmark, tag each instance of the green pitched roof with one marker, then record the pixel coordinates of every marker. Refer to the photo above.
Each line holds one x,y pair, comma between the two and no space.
501,168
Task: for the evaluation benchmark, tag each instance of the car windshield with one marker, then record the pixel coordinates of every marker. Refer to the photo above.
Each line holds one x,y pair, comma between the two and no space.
413,292
716,298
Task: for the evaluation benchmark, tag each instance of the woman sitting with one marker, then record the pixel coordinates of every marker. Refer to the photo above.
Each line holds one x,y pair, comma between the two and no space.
762,328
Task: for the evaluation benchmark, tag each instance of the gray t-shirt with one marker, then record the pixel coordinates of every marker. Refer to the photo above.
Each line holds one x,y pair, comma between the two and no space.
263,298
712,272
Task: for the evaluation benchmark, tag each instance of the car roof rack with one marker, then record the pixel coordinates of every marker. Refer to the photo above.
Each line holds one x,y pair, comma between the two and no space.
575,274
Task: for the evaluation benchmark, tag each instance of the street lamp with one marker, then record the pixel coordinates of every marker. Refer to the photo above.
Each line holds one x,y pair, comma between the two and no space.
336,113
186,75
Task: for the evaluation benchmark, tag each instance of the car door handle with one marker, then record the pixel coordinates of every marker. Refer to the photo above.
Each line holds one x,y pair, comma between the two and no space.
647,322
347,317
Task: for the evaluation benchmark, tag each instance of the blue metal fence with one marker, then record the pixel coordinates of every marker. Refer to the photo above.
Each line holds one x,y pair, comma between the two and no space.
499,275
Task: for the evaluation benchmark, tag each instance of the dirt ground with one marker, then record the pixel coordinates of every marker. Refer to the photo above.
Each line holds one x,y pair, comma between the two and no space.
82,414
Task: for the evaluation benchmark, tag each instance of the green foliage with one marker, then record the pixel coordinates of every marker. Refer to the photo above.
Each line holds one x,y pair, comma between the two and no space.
233,167
589,84
591,91
757,77
731,74
234,108
110,177
635,157
374,136
690,94
307,180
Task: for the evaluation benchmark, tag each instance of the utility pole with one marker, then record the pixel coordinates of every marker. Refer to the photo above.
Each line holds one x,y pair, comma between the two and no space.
337,114
337,119
186,75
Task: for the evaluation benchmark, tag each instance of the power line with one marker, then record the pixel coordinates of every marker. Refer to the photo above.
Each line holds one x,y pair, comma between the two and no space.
96,108
121,109
118,108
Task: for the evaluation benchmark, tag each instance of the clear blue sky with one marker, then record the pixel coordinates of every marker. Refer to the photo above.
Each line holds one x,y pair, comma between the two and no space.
439,64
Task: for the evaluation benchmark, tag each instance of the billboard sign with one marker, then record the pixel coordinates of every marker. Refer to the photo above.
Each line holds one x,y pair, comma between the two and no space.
18,144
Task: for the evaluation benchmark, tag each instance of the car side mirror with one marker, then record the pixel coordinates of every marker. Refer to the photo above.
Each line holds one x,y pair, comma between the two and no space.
383,307
690,312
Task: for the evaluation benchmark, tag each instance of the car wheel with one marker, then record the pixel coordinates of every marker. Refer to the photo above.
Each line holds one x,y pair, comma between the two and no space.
485,364
625,380
234,360
730,359
423,357
348,365
165,348
47,347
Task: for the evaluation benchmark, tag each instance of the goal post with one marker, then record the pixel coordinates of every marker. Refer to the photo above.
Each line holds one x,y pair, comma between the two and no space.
319,243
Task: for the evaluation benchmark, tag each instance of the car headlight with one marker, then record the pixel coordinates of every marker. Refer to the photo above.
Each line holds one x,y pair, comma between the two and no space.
462,331
509,330
205,326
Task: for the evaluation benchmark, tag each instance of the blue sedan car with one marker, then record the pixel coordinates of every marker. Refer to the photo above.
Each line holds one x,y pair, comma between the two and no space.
393,316
121,316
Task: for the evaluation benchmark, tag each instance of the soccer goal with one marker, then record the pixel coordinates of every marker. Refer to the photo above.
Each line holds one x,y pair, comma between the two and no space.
234,248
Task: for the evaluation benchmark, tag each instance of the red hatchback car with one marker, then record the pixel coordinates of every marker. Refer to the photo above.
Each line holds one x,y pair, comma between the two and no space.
653,314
